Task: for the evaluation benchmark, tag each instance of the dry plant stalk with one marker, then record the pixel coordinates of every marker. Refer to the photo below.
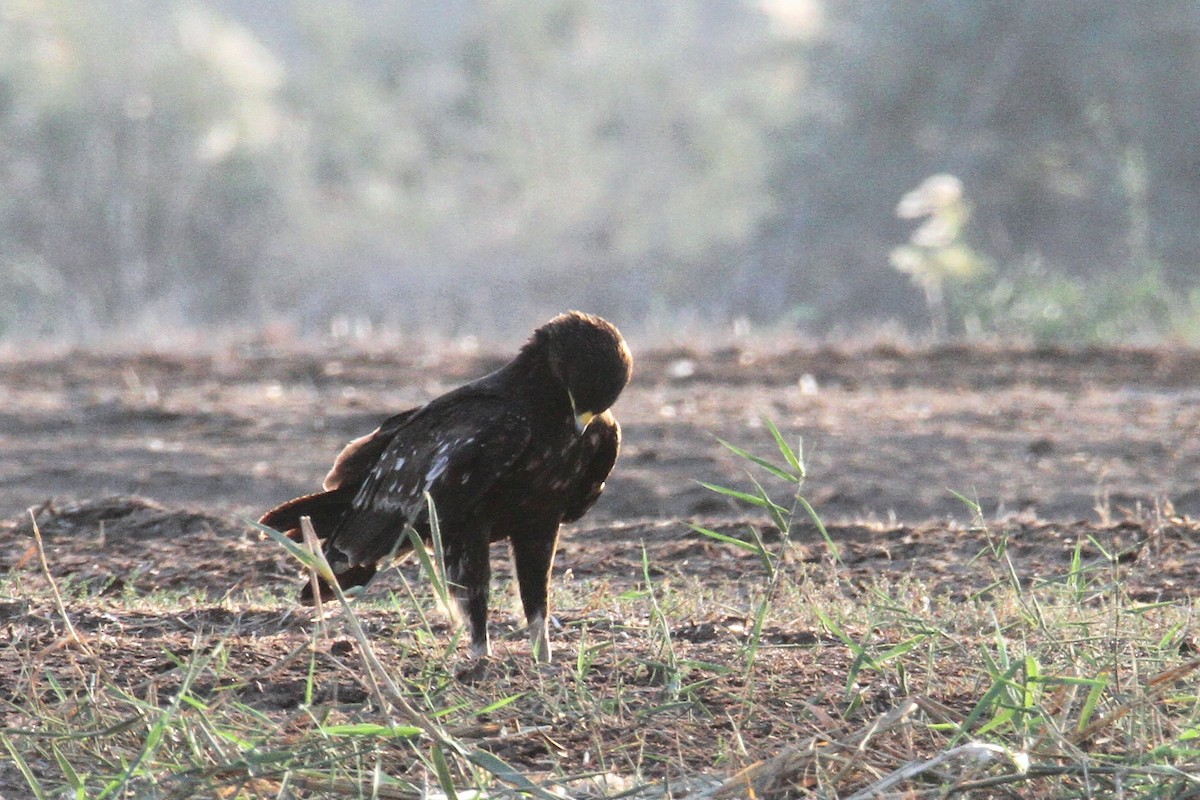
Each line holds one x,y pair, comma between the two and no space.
980,751
1156,685
386,692
73,636
764,778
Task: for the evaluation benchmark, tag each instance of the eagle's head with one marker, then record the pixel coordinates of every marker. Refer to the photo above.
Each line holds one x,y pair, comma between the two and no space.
589,356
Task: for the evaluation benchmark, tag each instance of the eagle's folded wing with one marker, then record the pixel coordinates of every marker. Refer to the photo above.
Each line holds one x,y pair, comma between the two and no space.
457,456
598,453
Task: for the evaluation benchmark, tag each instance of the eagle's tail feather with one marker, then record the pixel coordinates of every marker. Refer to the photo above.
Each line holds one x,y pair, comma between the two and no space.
325,509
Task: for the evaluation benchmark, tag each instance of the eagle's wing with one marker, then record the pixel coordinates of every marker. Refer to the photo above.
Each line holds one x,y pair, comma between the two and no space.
343,482
354,463
598,452
324,508
456,452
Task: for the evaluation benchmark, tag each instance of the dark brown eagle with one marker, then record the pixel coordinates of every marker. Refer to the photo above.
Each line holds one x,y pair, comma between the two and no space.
511,455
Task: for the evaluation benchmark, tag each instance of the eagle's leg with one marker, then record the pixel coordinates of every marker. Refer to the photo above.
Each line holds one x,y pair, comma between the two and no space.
469,574
533,557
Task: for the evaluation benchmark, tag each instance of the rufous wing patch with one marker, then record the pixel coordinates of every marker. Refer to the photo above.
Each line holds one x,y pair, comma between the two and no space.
339,472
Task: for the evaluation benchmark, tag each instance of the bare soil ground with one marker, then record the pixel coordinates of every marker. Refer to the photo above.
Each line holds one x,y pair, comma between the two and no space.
141,468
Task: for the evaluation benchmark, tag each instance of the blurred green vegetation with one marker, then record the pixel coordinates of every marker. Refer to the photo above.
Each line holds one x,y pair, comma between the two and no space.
470,167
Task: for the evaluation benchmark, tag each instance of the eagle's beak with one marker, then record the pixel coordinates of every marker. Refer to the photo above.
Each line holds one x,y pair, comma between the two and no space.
582,418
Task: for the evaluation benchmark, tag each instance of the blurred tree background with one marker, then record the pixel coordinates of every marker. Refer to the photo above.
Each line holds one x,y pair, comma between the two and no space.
474,165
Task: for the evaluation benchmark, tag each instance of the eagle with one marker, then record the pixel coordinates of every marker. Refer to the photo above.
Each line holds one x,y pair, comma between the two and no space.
509,456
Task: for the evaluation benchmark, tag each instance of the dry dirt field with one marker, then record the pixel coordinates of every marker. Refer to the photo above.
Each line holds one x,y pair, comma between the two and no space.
140,468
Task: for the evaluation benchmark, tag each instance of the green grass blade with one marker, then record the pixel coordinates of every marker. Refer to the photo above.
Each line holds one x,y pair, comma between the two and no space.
973,505
507,773
301,554
1030,686
436,578
985,704
816,519
1091,702
1105,553
1075,576
372,729
767,558
724,537
35,785
837,632
775,470
779,514
442,769
435,535
795,458
736,494
661,624
501,703
1005,715
900,649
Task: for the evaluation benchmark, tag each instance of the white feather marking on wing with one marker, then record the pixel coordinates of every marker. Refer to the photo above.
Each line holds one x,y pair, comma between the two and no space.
441,460
390,499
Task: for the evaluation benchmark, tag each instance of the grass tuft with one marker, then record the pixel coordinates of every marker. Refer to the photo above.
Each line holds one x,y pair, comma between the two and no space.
1066,686
757,658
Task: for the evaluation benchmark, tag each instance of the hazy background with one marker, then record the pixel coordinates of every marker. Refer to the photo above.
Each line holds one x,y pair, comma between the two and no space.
471,167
